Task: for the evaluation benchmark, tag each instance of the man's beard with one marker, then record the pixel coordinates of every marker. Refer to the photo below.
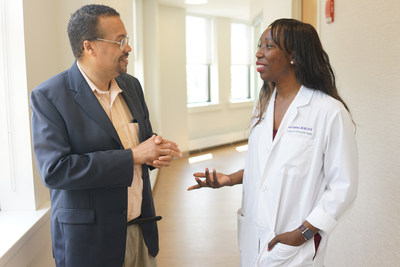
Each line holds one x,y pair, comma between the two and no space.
122,69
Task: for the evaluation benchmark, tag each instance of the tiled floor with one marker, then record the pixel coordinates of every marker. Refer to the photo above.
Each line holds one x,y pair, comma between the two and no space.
198,228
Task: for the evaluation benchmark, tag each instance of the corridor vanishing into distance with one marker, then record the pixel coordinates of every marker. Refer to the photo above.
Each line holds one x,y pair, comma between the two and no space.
199,228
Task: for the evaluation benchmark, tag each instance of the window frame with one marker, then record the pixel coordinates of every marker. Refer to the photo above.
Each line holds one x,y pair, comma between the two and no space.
248,82
248,63
208,61
208,84
257,25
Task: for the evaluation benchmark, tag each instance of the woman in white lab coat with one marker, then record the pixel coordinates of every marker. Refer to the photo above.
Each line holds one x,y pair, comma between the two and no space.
301,171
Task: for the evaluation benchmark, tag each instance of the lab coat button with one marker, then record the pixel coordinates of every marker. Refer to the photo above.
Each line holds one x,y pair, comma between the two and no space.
263,188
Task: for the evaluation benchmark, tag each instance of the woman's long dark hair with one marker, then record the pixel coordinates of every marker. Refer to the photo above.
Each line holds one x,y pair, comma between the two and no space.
312,66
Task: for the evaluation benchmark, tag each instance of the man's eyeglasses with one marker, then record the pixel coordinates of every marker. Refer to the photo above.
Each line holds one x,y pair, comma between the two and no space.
122,44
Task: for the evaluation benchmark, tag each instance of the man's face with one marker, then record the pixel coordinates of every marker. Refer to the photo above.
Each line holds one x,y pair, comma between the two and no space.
110,58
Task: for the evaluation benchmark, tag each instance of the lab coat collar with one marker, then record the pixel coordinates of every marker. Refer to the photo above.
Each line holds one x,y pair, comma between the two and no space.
303,98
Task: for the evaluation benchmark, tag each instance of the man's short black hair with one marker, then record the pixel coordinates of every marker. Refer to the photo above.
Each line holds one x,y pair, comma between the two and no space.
83,25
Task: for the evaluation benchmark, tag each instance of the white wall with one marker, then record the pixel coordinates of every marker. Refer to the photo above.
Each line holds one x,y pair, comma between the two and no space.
364,48
271,9
150,52
172,86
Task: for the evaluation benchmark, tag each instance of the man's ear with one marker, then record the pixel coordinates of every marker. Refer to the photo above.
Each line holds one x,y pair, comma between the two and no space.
89,48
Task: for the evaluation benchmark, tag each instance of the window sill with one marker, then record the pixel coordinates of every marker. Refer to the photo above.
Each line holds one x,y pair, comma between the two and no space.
17,227
248,103
204,107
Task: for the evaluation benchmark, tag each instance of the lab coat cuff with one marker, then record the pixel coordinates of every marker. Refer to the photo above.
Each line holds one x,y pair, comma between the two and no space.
322,220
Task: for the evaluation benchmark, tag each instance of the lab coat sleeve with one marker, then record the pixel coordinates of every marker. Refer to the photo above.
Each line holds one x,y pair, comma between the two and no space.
340,172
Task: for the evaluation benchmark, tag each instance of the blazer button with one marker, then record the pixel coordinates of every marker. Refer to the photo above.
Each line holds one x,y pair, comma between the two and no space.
124,212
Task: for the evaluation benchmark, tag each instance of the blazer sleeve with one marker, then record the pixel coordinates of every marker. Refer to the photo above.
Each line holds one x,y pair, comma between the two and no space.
59,167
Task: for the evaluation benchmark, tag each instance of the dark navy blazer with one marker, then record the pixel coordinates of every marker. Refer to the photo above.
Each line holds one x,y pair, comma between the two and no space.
82,161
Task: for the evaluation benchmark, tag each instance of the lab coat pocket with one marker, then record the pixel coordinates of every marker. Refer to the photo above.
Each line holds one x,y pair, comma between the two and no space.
280,255
297,157
285,252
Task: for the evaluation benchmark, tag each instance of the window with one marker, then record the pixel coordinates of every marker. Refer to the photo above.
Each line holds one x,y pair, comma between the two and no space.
240,61
198,59
257,32
5,182
16,181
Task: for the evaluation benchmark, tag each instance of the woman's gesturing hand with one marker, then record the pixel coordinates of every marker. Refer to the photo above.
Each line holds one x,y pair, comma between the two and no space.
216,180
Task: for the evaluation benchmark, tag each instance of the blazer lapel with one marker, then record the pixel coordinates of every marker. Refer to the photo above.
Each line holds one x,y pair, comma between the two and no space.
132,99
86,99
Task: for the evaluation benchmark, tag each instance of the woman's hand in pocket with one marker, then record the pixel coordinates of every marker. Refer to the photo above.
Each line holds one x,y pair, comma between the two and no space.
293,238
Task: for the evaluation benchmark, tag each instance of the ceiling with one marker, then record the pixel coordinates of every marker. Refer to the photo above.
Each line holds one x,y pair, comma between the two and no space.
236,9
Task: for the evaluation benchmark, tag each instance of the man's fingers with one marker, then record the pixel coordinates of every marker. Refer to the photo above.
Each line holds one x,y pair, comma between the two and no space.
171,146
170,152
160,163
168,144
166,158
158,139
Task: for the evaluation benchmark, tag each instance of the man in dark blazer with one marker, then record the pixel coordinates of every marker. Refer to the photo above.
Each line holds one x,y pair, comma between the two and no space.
79,152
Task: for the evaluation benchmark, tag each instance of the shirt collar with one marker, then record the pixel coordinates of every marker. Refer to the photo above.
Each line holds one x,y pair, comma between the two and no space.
114,88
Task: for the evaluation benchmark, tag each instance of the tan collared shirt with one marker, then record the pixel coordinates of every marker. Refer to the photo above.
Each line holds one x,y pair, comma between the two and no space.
117,110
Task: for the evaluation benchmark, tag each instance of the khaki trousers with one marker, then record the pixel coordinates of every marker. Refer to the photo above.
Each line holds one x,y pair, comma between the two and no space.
136,253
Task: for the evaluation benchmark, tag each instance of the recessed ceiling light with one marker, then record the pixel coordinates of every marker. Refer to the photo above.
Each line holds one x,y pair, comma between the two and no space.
203,157
195,2
242,148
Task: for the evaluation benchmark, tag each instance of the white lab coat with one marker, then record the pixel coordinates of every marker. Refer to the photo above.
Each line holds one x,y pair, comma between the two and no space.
308,172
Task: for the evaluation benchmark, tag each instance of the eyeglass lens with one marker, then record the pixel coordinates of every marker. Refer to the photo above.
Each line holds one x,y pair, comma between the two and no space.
124,43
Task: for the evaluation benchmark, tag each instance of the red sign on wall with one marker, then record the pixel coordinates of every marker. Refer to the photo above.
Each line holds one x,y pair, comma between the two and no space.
329,11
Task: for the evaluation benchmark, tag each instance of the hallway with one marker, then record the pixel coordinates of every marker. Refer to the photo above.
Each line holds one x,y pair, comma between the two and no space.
198,228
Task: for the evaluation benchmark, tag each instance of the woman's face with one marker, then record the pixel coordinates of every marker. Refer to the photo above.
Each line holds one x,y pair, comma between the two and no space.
273,63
